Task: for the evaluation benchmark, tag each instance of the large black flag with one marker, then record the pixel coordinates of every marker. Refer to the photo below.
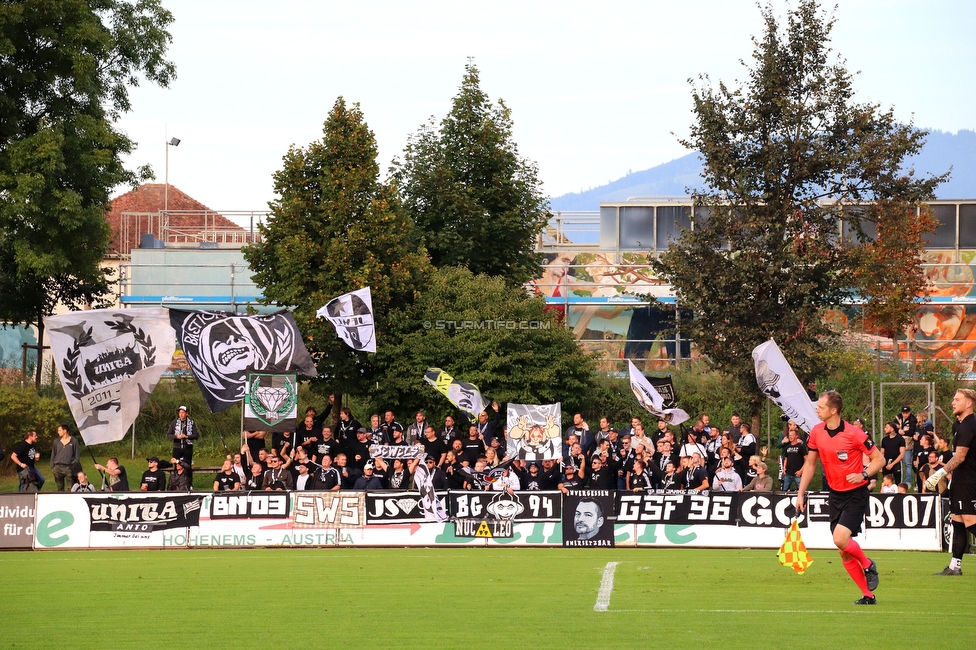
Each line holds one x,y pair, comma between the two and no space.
223,348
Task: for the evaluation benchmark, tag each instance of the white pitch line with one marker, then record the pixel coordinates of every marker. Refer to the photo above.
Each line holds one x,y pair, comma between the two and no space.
757,611
606,586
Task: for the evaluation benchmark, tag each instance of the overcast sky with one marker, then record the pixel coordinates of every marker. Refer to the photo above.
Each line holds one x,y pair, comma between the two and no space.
596,89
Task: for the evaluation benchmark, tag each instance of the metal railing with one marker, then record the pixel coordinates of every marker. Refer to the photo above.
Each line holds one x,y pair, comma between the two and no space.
190,227
571,229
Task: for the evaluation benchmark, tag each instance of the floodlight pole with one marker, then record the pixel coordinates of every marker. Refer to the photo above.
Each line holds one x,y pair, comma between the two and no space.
174,142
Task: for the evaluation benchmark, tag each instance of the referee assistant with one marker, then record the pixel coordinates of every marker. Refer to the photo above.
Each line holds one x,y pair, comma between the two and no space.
840,446
962,489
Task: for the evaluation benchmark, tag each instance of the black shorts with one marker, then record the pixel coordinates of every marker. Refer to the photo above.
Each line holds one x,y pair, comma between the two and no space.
962,498
848,508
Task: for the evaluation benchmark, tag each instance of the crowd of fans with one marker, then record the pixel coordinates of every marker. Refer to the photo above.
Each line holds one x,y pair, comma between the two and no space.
462,455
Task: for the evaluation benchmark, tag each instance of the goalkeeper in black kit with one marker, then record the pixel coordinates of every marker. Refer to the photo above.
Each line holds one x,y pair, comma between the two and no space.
962,488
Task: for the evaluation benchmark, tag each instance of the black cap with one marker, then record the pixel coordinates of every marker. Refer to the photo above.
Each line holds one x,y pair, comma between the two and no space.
152,459
906,409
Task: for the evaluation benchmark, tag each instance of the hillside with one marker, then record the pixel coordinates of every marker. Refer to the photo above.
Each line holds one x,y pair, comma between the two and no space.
942,151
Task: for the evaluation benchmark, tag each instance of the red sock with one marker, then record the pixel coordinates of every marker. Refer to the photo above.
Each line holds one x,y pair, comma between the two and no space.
855,552
857,575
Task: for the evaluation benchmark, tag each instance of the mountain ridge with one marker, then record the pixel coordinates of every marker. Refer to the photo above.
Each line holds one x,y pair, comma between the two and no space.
943,150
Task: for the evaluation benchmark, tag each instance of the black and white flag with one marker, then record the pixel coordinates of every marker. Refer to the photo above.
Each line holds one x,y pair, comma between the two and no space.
352,315
534,431
430,505
648,397
224,348
109,361
778,382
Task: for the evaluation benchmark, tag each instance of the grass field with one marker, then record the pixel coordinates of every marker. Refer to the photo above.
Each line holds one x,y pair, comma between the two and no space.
466,597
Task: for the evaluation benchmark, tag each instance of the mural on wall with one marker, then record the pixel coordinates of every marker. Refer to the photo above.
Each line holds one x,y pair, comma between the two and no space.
12,339
599,299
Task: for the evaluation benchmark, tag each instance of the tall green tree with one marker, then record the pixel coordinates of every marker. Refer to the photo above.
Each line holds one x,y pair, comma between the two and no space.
336,228
788,156
476,201
65,70
480,330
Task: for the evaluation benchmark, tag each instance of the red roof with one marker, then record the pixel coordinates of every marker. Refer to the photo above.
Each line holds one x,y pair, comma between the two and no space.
150,197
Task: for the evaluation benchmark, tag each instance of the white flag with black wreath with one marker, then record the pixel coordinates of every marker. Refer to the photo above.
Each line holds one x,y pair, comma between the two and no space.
352,315
109,361
778,382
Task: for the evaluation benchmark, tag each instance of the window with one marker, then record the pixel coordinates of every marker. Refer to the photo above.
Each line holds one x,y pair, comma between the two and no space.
849,232
945,233
670,221
608,228
967,225
636,227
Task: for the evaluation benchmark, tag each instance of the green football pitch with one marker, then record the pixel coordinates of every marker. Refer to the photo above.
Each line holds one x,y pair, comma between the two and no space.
464,597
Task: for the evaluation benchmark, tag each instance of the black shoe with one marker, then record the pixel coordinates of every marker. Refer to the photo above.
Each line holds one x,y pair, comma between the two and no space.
949,571
871,575
866,600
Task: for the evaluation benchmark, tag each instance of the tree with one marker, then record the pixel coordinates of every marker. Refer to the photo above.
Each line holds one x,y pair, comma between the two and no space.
336,228
482,331
478,204
787,157
65,70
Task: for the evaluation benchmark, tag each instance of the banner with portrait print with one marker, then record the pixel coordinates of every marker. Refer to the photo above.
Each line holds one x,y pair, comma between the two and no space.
588,518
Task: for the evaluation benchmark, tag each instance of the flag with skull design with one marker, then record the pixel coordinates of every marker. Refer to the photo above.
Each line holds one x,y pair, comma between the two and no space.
224,348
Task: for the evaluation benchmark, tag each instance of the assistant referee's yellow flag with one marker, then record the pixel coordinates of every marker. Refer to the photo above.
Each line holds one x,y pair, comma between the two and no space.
793,552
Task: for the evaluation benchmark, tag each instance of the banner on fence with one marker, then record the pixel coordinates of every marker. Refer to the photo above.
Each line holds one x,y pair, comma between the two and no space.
588,518
520,506
16,521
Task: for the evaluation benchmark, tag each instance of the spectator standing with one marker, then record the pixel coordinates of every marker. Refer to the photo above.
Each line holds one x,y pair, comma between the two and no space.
328,477
907,426
23,455
183,432
65,458
277,478
449,433
488,428
581,430
348,425
893,446
473,446
791,459
417,429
